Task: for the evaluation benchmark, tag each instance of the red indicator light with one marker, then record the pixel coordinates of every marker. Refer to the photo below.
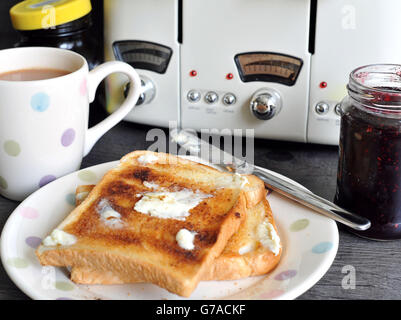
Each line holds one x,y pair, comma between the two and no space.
323,84
229,76
193,73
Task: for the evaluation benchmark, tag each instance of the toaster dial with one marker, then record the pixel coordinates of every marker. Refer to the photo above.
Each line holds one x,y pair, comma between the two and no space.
229,99
265,104
211,97
148,90
193,96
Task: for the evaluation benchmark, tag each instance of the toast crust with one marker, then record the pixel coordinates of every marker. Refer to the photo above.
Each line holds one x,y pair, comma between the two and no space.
230,265
148,246
254,191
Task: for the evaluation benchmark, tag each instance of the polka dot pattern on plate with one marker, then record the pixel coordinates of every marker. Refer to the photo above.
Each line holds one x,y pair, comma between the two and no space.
12,148
70,198
45,180
3,183
285,275
40,102
87,176
322,247
64,286
29,213
299,225
18,263
68,137
33,242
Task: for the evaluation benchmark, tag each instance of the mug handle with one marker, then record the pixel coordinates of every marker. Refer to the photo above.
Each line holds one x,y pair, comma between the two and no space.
94,78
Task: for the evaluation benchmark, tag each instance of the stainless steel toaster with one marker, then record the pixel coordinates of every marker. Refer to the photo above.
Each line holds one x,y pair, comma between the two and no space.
277,66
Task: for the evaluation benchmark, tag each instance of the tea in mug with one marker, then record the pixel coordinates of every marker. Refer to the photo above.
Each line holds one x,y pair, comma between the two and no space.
32,74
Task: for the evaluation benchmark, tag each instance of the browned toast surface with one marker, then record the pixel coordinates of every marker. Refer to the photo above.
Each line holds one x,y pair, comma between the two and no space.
146,244
231,264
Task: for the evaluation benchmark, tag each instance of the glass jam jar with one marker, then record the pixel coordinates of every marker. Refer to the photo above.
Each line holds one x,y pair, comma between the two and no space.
369,170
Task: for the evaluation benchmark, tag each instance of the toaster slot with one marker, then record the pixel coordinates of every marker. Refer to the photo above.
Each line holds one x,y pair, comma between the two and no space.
312,26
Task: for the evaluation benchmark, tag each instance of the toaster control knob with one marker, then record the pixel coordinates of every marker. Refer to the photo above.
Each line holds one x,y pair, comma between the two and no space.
265,104
193,96
211,97
148,91
229,99
322,108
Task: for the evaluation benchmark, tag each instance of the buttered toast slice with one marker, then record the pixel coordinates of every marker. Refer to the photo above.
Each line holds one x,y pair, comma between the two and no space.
253,250
157,215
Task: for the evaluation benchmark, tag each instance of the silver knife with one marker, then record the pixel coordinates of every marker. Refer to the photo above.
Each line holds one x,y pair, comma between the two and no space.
200,148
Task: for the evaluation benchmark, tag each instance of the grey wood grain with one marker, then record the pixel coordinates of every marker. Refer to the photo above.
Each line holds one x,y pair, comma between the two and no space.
376,263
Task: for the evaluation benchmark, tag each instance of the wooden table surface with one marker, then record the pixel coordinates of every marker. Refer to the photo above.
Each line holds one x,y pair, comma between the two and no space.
376,263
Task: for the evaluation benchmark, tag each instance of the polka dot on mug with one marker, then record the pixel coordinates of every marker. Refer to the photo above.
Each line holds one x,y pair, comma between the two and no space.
12,148
29,213
45,180
3,183
33,242
285,275
68,137
40,102
83,88
322,247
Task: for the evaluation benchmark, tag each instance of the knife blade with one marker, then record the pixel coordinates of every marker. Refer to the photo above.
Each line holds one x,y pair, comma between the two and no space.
210,153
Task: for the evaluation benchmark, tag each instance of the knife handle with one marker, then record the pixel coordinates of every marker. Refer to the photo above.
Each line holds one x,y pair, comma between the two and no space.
311,200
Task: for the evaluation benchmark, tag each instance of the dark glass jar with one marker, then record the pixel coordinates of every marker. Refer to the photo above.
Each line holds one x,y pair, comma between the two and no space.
369,170
75,35
65,24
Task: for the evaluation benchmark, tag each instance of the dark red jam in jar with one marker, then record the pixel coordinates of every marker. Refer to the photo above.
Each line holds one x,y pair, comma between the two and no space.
369,171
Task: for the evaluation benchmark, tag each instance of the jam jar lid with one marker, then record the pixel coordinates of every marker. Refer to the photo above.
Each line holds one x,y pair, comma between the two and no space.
377,88
45,14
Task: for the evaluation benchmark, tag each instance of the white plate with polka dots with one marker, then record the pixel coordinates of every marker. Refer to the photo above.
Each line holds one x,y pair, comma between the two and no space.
310,243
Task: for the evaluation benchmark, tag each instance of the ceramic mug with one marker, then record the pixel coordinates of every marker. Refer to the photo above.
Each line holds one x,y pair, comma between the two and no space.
44,123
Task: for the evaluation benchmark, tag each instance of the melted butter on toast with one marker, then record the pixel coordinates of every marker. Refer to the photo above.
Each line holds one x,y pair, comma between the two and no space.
170,205
268,237
108,215
59,238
